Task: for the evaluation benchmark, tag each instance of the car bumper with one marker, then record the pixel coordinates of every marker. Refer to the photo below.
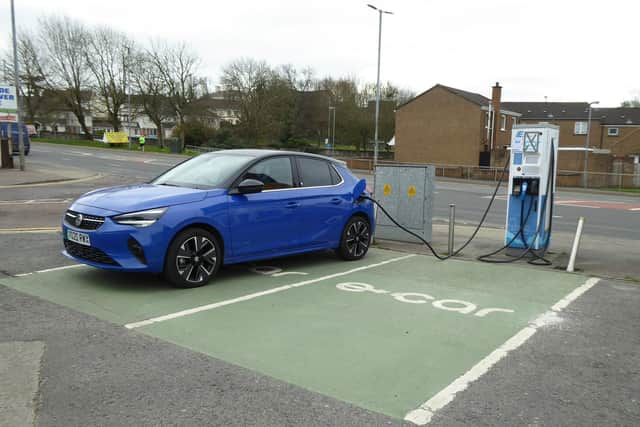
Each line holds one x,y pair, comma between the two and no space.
117,247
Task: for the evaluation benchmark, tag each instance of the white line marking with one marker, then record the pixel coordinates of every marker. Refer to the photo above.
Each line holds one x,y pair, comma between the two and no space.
33,202
634,209
60,268
248,297
289,273
564,302
23,274
423,414
578,206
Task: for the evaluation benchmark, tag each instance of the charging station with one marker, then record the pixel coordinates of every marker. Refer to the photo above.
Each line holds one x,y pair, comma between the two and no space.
532,185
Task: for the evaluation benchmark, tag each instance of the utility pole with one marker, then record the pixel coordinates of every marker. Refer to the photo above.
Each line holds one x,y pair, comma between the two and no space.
585,173
125,60
375,137
17,83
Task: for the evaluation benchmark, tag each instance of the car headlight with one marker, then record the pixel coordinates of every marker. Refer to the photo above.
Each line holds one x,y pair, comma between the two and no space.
141,218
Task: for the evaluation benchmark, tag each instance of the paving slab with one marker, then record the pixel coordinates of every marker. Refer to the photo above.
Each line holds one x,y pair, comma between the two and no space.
19,382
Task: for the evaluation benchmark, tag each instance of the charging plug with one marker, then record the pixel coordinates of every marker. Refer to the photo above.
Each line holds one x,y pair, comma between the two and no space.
523,192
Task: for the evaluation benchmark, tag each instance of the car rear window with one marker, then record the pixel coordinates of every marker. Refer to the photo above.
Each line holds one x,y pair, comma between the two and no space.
314,172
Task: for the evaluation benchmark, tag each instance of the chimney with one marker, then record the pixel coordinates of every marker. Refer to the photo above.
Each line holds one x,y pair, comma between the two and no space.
496,94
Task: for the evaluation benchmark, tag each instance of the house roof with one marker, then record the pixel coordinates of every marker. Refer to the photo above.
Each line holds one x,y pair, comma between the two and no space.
618,116
575,111
550,110
476,98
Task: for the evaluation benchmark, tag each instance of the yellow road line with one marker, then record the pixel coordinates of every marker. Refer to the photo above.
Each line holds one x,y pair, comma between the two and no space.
30,230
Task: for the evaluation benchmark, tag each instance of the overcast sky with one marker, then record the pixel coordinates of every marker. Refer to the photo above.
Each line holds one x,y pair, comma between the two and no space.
567,50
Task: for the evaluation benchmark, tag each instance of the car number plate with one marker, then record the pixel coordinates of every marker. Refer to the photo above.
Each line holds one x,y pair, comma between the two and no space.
81,238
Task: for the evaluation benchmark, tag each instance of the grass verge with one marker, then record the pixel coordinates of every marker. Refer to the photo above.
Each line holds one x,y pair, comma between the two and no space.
99,144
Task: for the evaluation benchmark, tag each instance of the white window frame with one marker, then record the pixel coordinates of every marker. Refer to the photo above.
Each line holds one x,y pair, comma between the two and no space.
613,131
503,122
580,128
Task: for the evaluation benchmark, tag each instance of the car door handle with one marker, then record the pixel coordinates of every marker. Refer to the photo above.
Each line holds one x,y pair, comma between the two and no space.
293,205
336,201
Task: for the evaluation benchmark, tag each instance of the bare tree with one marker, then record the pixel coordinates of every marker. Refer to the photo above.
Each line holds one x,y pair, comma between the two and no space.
108,55
151,92
64,42
31,75
177,67
246,81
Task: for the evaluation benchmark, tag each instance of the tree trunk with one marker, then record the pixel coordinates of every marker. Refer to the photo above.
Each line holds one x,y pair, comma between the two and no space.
182,133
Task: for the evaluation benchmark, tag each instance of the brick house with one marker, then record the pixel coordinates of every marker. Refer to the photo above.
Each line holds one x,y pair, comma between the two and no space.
448,126
451,126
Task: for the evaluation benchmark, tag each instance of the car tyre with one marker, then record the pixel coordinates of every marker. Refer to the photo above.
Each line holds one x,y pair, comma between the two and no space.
193,258
355,240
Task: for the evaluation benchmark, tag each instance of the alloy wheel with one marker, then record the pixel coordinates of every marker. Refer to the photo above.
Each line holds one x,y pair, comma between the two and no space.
358,238
196,259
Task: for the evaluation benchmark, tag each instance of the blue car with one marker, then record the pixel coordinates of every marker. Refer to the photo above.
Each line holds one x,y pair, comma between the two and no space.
221,208
10,130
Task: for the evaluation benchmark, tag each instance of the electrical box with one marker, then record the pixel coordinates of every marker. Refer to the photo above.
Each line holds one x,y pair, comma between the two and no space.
406,192
532,184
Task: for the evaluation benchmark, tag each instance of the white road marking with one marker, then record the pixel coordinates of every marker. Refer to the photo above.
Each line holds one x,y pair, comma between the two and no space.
576,205
65,267
248,297
423,414
33,202
289,273
634,209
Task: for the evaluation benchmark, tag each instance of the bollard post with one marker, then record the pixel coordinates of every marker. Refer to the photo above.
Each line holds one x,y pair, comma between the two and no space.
452,220
576,243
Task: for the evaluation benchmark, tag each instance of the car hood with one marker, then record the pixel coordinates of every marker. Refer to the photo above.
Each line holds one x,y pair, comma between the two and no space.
131,198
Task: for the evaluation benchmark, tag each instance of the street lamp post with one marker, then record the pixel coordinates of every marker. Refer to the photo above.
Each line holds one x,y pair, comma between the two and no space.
375,137
17,83
333,131
585,174
331,136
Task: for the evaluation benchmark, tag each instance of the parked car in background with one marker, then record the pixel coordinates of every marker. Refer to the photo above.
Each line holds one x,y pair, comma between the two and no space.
220,208
10,130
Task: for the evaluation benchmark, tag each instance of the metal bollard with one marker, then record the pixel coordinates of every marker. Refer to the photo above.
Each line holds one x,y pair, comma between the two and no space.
576,243
452,220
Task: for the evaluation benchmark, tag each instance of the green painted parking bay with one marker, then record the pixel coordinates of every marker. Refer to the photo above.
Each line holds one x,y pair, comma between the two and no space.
385,333
128,297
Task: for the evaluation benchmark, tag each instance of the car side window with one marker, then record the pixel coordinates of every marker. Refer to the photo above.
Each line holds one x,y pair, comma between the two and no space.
275,173
335,177
314,172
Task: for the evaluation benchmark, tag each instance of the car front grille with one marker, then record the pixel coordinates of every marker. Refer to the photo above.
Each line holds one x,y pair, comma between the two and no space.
89,253
83,221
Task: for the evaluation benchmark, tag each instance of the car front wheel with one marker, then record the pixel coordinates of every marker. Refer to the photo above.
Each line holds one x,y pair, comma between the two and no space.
355,240
193,258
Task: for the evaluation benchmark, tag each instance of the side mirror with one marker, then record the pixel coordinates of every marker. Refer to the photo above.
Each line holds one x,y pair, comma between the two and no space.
359,188
249,186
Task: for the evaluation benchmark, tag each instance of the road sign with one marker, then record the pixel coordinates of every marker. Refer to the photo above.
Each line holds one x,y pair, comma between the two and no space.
8,99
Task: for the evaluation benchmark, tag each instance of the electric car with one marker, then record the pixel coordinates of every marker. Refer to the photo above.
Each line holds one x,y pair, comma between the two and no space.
220,208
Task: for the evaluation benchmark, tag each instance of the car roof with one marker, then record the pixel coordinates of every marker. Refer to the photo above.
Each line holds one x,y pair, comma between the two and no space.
258,154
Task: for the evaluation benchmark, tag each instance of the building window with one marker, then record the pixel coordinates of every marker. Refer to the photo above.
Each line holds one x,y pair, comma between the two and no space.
514,121
580,128
613,131
503,124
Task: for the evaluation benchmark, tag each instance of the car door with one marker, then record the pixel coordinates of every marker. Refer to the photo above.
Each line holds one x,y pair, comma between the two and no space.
266,223
325,202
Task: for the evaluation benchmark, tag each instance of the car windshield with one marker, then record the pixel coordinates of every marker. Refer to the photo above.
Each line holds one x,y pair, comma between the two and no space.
205,171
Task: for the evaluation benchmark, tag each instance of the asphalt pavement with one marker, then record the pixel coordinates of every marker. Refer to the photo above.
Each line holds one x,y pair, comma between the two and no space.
581,369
